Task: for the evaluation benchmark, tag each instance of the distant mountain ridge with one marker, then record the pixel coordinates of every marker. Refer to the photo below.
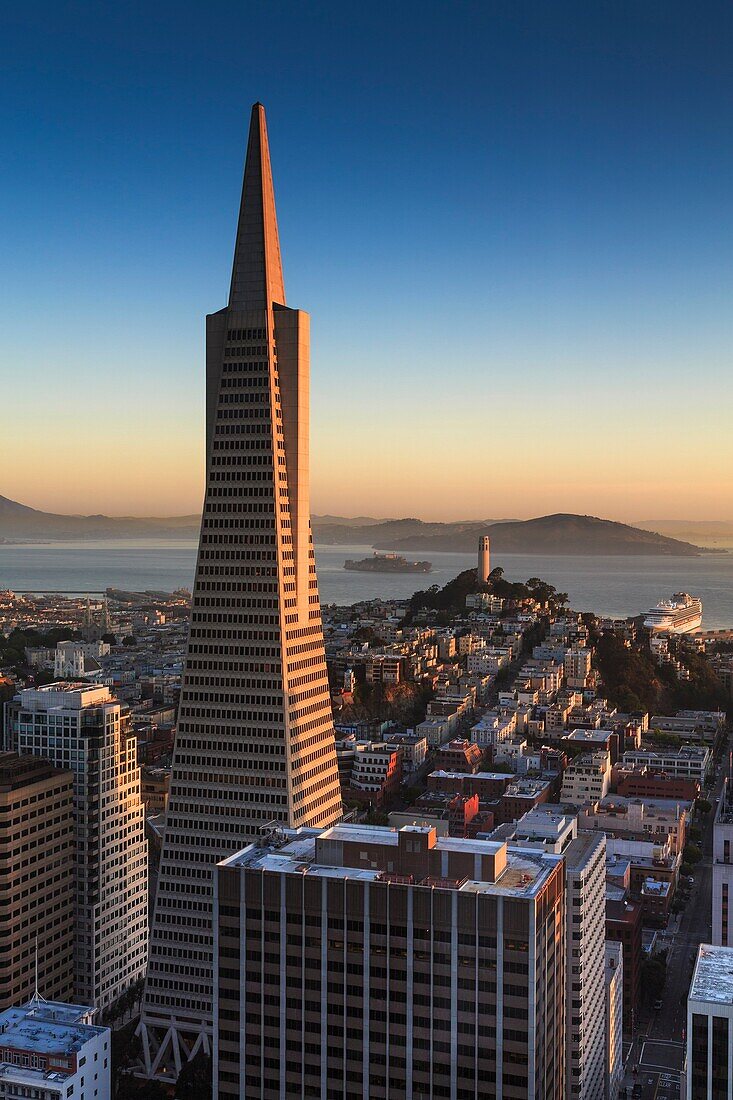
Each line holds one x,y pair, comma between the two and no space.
562,533
19,522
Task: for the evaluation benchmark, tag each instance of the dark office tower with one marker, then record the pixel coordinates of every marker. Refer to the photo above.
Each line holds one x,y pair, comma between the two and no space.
255,742
37,854
365,962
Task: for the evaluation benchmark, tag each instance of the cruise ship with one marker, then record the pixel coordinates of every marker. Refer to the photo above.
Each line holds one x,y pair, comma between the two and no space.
679,615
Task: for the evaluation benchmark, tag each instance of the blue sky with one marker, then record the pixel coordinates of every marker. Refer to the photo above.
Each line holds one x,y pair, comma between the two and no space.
510,223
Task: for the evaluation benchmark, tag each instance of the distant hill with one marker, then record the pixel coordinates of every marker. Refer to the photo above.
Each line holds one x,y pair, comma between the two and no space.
557,534
387,531
19,523
345,521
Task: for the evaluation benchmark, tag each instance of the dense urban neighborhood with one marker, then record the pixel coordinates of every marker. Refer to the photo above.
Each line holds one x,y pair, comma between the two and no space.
484,711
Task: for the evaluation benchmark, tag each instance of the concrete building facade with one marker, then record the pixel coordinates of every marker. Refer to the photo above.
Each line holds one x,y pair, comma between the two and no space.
710,1025
82,728
722,898
585,877
37,880
403,964
614,972
51,1051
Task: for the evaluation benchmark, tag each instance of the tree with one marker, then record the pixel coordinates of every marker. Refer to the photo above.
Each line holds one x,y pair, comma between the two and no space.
110,639
692,854
194,1080
686,870
130,1088
703,806
694,834
129,640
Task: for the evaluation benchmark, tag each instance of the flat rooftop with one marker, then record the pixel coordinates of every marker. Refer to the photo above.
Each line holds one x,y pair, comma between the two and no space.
294,852
582,736
506,776
47,1027
65,694
684,752
712,979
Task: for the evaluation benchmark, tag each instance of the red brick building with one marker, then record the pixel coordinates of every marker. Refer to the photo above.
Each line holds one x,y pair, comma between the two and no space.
489,786
643,783
459,756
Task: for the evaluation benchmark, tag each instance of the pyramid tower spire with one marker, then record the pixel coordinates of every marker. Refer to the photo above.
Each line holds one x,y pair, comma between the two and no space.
254,743
257,274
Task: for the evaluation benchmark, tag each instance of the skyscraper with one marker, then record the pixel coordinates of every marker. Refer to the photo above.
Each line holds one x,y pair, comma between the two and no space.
723,870
710,1025
82,728
37,864
585,882
255,743
361,961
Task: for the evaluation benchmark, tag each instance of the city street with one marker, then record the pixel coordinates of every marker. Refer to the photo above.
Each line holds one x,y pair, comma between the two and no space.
658,1049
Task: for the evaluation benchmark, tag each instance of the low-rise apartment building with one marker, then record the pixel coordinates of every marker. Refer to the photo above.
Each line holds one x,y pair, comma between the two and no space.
688,762
586,778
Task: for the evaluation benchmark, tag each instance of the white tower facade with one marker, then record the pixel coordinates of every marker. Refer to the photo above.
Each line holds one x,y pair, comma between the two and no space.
722,896
585,1064
484,559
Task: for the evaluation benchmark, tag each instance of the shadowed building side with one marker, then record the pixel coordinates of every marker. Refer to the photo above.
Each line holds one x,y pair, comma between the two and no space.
255,744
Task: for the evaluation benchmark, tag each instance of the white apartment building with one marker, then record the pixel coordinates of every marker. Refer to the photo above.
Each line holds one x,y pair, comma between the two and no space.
710,1025
576,665
723,871
614,1018
469,643
689,762
585,1020
587,778
81,727
486,662
374,763
51,1051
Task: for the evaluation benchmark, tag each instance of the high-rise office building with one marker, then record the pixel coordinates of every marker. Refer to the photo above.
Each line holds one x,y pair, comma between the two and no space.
710,1025
82,728
722,896
255,742
366,961
585,871
585,908
37,875
614,977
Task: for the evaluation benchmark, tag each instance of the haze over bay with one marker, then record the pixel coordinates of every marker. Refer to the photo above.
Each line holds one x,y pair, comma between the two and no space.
614,585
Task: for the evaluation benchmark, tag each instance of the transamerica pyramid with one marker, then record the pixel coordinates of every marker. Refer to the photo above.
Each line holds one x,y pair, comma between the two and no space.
255,743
